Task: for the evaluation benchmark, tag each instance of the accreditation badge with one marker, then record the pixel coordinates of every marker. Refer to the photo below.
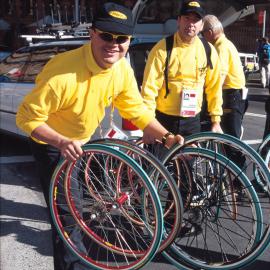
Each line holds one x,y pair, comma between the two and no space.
115,133
188,106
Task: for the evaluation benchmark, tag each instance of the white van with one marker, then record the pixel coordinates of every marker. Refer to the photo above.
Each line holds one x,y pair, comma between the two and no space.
250,63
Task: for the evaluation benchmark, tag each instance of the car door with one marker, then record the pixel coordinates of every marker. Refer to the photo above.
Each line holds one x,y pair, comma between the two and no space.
18,74
11,71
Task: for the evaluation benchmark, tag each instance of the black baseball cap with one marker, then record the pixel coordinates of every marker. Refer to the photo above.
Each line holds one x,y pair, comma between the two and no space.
192,6
114,18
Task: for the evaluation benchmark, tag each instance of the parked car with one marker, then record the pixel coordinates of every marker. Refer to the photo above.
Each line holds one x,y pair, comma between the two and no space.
17,76
153,20
250,63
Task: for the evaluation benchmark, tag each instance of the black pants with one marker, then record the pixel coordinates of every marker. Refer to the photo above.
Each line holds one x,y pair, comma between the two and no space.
179,125
231,121
184,127
46,158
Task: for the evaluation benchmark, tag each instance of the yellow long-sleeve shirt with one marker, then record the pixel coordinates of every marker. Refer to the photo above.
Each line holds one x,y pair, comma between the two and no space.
72,91
187,70
231,66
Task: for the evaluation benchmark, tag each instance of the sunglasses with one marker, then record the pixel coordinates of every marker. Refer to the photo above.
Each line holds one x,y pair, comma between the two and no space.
108,37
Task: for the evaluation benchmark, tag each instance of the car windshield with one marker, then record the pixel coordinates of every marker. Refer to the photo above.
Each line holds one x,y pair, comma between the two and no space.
24,64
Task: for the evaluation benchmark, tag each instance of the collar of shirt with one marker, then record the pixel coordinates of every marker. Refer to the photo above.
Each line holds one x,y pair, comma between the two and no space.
181,43
91,63
219,40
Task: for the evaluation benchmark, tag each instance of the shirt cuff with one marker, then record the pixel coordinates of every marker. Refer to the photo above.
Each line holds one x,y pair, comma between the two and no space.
215,118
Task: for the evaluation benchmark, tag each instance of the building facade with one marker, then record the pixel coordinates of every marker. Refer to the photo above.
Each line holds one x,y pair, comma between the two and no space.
245,32
25,16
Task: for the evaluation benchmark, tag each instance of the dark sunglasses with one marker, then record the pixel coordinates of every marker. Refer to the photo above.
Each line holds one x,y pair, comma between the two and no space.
109,37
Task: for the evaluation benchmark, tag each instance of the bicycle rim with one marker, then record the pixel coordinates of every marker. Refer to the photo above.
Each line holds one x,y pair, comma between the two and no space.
167,190
226,240
105,239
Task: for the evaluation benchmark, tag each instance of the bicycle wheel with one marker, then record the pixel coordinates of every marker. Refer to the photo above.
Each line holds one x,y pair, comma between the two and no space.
264,152
264,147
166,188
251,160
213,237
98,232
226,143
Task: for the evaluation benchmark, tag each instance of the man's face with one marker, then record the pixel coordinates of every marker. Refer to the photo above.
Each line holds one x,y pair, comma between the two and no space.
107,49
189,26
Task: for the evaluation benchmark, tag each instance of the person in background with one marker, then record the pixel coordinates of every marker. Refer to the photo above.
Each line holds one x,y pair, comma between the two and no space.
264,62
188,77
233,81
259,44
69,99
175,97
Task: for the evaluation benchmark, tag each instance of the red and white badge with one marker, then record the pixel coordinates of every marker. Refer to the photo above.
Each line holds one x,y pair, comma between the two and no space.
188,106
115,133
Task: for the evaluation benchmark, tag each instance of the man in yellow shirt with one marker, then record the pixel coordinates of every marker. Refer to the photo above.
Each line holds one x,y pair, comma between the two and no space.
69,100
233,80
177,107
189,75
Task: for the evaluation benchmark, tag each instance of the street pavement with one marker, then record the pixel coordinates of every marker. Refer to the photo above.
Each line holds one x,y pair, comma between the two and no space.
25,230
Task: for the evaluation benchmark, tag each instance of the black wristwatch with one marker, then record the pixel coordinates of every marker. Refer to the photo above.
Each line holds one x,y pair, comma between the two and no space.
165,137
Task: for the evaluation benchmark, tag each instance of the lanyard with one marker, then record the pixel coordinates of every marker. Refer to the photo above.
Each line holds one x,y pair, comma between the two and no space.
111,121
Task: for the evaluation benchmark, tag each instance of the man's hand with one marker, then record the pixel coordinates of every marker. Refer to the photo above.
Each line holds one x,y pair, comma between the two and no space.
71,150
216,127
154,131
170,141
174,139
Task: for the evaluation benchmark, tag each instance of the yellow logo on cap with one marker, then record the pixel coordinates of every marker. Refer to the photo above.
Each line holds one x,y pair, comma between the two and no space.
118,15
194,4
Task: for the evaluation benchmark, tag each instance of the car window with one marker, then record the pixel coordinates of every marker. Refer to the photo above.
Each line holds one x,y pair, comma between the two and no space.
24,64
138,55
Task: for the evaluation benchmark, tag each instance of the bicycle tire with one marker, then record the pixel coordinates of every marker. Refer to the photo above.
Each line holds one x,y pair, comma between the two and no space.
158,174
234,142
184,252
264,152
100,249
